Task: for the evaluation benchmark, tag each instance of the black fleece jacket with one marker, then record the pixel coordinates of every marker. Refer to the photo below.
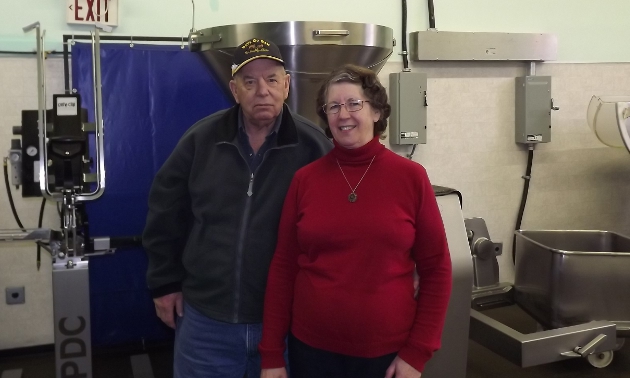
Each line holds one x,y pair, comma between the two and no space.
205,235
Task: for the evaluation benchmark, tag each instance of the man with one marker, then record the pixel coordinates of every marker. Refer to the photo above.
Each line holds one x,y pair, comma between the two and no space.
214,209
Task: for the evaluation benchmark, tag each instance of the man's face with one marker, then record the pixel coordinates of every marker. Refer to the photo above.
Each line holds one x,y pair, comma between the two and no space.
261,87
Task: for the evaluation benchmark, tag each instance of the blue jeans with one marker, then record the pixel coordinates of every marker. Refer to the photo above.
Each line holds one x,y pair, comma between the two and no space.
206,348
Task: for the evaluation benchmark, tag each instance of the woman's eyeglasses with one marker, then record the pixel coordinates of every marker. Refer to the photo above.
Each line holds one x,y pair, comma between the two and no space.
351,106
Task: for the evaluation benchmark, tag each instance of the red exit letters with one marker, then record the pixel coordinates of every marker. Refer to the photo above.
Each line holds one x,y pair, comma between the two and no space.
92,14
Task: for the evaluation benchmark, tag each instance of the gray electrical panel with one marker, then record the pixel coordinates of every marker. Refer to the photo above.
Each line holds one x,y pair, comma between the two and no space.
408,120
533,109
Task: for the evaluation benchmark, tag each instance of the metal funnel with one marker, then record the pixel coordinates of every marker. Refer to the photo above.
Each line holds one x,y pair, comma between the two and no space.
311,50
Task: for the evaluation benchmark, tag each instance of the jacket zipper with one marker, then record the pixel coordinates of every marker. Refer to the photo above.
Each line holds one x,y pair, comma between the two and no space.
241,238
251,184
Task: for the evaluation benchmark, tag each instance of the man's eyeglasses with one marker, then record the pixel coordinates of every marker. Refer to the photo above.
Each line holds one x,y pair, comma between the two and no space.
351,106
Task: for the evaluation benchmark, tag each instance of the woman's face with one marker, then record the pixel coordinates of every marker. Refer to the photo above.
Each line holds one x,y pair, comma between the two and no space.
350,129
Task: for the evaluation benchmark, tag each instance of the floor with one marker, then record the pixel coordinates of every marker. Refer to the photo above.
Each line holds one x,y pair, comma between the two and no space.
482,363
106,363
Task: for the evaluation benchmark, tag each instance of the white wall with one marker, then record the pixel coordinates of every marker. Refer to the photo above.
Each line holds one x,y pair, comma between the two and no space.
30,323
577,182
588,31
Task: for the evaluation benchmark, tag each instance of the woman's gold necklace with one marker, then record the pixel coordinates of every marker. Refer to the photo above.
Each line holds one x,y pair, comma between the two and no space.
352,197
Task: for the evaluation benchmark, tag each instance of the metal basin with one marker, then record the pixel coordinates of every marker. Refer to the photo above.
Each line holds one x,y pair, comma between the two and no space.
311,50
566,278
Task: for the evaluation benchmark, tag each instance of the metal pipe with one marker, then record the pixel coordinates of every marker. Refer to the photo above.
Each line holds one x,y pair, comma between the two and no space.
192,29
431,14
404,37
126,38
98,119
42,234
66,65
41,108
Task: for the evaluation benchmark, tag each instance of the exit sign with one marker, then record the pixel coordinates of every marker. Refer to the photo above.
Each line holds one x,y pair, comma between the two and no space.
91,12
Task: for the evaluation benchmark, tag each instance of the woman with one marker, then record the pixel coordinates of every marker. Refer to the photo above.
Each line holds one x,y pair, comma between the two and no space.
355,224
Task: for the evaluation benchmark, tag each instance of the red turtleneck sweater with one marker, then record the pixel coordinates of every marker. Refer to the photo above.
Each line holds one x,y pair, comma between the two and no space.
341,278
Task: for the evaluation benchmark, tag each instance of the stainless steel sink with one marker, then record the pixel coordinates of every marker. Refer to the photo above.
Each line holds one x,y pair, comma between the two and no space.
565,278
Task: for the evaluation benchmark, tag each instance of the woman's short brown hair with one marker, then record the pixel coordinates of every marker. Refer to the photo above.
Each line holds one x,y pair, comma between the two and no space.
372,88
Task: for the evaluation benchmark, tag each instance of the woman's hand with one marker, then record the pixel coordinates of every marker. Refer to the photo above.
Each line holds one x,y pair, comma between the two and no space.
401,369
274,373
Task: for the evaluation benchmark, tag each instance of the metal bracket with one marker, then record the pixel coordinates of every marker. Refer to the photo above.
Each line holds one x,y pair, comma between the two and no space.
586,349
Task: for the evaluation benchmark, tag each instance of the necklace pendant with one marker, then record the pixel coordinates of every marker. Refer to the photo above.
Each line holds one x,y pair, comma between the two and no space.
352,197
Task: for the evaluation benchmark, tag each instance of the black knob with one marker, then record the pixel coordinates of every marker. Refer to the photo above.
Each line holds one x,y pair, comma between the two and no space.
484,249
17,130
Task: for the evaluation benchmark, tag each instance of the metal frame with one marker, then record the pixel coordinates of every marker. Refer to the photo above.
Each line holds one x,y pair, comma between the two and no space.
66,50
543,347
98,114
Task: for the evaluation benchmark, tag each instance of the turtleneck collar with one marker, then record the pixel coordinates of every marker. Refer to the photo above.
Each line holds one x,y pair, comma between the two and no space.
360,155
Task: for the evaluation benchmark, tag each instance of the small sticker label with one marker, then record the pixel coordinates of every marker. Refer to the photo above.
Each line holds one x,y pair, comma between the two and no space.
408,134
36,171
67,106
534,138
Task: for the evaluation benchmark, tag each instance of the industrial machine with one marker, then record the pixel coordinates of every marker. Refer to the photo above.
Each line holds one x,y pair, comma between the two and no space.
311,50
451,359
55,158
563,281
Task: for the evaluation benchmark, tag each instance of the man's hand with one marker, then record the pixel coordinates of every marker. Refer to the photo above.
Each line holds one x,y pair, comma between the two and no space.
401,369
166,306
273,373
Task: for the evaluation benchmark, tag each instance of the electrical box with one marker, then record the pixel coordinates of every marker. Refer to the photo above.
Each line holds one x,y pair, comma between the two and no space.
533,109
408,99
449,45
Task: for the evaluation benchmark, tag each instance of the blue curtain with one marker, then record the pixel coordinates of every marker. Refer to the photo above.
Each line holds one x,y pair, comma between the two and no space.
151,95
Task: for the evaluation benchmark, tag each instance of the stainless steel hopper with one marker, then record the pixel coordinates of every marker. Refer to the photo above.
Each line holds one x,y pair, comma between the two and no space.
311,49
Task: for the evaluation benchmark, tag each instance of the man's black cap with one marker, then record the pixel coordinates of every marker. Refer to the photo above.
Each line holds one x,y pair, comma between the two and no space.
252,49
